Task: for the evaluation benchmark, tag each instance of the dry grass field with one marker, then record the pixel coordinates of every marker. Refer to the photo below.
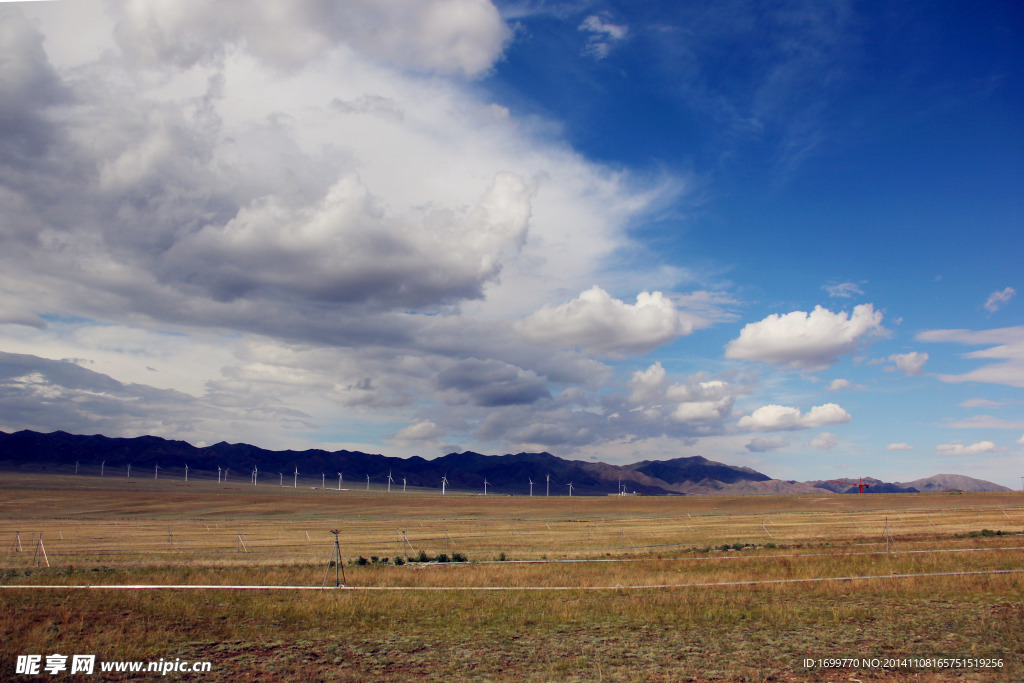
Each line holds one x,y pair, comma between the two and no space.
616,588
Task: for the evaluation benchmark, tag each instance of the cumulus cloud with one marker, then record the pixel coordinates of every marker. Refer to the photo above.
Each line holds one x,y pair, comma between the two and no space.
699,401
810,341
604,35
1020,441
772,418
901,446
492,383
1005,344
447,36
997,300
961,449
839,384
596,322
844,290
347,248
910,363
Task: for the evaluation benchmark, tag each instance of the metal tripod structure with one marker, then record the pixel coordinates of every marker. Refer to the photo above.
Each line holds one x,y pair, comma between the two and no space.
336,561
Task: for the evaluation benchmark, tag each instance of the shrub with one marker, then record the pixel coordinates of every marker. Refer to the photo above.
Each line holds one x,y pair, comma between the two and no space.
423,557
502,558
458,557
362,561
399,561
443,557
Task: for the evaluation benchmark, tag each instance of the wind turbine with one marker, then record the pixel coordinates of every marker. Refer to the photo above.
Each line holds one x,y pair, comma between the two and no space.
156,471
323,480
101,467
226,470
129,470
76,467
295,481
367,482
531,488
570,489
255,474
186,472
339,481
281,477
403,484
548,491
389,481
444,482
218,474
485,486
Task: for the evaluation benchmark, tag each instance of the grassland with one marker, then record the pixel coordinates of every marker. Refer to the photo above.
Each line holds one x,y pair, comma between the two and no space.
617,588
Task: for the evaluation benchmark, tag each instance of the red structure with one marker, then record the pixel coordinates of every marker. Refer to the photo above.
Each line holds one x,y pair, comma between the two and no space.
859,484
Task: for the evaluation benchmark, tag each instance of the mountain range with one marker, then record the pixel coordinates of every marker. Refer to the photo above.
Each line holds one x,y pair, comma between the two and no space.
467,471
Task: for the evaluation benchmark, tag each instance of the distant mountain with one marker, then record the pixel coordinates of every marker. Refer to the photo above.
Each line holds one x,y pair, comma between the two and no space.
505,474
873,486
952,482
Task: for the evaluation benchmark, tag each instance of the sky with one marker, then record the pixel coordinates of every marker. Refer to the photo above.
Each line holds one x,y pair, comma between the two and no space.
783,235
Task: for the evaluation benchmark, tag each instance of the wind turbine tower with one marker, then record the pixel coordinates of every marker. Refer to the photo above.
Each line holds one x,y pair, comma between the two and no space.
570,489
389,481
102,464
339,481
531,488
295,480
548,491
444,483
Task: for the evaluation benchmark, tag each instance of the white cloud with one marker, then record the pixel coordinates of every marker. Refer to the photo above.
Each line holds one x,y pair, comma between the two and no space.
1020,441
839,384
603,35
421,431
899,447
824,441
811,341
982,403
1008,347
997,300
447,36
598,323
844,290
763,444
910,363
960,449
984,422
771,418
308,209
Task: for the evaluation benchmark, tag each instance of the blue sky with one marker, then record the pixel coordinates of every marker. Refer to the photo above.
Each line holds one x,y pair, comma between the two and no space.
787,237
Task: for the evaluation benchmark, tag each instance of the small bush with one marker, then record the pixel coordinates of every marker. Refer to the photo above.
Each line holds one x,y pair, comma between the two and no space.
374,559
443,557
458,557
362,561
399,561
423,557
502,558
